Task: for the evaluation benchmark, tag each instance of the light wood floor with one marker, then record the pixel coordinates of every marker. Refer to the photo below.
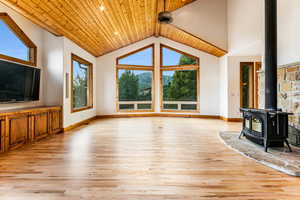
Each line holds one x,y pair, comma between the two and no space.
137,159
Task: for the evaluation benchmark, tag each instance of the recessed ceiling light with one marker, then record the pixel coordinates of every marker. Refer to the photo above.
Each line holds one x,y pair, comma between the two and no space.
116,33
102,7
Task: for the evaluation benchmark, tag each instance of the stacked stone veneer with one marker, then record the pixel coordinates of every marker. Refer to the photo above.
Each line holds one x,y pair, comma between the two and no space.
288,93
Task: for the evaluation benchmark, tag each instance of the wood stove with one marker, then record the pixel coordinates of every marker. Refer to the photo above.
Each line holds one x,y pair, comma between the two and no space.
268,126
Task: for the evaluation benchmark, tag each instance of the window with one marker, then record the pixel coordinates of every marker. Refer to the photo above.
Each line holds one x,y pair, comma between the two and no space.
173,57
179,81
142,57
15,45
82,84
135,80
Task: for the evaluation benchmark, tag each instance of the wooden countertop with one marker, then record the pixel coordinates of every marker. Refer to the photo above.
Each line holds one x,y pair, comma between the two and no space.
27,110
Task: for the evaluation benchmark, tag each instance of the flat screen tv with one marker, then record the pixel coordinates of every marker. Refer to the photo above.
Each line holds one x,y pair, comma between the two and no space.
18,83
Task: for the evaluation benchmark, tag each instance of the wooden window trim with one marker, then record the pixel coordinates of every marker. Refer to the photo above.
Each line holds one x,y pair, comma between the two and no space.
90,83
175,68
136,67
136,51
24,38
176,50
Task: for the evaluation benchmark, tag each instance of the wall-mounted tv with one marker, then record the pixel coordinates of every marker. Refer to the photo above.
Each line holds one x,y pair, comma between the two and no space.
18,83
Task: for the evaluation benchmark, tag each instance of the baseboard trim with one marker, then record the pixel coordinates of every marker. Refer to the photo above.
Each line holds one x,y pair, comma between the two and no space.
78,124
129,115
158,115
231,119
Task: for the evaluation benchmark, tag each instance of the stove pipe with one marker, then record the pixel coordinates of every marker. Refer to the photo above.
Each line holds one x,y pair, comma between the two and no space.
271,54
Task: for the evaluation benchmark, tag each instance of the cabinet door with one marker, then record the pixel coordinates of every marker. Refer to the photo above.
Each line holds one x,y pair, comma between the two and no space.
17,132
2,134
56,121
41,125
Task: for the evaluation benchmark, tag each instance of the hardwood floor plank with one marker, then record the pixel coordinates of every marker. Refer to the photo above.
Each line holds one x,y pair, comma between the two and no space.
140,158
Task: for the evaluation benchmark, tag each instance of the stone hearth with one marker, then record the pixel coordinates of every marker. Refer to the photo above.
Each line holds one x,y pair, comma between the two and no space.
277,158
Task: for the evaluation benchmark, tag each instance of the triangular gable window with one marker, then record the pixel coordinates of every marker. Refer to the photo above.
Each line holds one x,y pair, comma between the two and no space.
140,57
173,57
15,45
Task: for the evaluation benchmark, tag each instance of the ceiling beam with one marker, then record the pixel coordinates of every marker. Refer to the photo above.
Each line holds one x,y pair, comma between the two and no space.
178,35
160,8
172,5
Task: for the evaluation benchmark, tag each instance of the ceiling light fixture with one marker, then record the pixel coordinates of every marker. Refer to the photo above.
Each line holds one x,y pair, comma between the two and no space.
165,17
102,7
116,33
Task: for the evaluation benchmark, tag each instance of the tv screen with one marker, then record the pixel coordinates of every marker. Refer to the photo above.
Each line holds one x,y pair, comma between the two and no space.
18,82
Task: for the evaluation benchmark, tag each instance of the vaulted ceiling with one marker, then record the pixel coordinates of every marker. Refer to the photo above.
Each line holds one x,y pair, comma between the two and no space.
118,24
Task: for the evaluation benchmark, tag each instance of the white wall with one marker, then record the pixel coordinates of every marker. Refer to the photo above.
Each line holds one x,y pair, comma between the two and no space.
288,31
35,33
205,18
224,86
230,84
72,118
245,44
245,27
106,81
234,83
53,67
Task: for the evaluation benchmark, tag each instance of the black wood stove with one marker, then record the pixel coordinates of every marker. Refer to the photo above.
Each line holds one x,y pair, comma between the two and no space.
268,126
265,127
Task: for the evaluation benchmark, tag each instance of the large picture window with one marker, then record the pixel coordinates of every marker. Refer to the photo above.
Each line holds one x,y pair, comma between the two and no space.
179,81
82,84
135,80
15,45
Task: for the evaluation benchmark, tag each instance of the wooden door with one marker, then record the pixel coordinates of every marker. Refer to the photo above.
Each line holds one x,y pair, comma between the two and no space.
257,68
249,84
246,85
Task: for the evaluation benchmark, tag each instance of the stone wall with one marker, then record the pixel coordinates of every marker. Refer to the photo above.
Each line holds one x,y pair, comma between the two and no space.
288,91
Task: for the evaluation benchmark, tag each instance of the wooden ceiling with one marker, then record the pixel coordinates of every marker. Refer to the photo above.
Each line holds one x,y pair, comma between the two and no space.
121,23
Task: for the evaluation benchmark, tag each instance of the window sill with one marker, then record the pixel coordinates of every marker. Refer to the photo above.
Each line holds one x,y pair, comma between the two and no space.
180,111
133,111
81,109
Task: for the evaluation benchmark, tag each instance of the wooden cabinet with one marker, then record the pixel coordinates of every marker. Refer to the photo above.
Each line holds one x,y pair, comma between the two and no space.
19,127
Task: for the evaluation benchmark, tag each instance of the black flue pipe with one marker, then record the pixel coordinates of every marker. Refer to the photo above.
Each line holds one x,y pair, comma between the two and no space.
271,54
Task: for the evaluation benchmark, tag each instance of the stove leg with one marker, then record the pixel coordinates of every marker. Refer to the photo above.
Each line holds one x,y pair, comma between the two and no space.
266,145
288,145
241,134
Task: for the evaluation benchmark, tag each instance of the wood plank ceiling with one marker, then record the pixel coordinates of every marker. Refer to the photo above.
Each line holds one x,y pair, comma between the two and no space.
122,22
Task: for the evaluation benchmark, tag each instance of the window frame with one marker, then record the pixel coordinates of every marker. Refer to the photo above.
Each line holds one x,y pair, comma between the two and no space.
134,68
32,49
136,51
89,80
179,68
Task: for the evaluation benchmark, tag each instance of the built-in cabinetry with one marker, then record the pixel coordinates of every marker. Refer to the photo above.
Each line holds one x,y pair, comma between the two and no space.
23,126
